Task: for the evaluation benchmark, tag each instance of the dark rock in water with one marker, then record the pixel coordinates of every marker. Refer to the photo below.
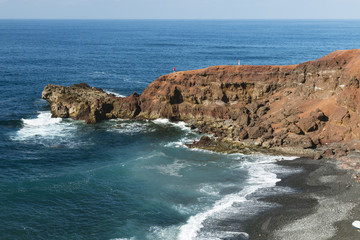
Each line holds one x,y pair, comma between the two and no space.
204,141
315,103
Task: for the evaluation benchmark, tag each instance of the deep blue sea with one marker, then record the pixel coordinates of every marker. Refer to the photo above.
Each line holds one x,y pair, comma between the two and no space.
63,179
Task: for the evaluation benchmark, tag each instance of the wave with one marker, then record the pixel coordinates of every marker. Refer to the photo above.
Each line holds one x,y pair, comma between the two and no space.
42,126
130,128
47,131
114,93
162,233
180,124
261,176
209,190
43,119
181,143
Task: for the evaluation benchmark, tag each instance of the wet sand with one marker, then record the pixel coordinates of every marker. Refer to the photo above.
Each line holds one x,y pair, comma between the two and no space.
324,207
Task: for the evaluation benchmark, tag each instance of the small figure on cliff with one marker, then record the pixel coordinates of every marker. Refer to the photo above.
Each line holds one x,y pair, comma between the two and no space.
174,69
239,62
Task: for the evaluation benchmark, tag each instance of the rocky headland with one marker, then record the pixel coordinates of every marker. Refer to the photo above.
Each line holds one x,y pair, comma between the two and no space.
311,109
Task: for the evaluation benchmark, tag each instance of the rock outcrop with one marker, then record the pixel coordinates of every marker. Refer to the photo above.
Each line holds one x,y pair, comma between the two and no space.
312,105
82,102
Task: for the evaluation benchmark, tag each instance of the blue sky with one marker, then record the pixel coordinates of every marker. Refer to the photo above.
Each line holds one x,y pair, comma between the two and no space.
180,9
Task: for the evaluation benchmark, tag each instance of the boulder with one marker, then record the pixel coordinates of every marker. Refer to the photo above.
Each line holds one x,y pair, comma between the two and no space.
307,125
329,153
340,153
256,132
301,141
294,129
318,115
241,134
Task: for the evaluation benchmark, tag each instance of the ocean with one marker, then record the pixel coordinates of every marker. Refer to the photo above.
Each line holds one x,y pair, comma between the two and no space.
121,179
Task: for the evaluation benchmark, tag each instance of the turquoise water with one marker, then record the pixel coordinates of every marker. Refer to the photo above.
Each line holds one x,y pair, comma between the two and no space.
63,179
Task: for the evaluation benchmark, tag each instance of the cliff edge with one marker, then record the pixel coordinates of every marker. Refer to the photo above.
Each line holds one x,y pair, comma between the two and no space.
312,105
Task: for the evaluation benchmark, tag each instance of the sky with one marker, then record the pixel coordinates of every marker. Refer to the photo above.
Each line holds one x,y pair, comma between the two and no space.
179,9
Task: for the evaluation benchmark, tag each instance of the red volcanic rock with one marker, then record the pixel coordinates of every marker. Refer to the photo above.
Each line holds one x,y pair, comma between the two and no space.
340,153
318,116
256,132
307,125
312,103
295,129
329,153
125,108
340,115
294,140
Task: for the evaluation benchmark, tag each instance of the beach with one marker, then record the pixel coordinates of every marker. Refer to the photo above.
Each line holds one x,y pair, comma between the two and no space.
135,178
323,208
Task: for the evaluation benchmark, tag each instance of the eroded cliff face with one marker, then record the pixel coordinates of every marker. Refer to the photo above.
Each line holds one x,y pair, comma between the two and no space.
82,102
313,104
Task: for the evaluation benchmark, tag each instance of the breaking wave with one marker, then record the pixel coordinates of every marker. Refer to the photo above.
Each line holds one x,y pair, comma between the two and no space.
47,131
261,176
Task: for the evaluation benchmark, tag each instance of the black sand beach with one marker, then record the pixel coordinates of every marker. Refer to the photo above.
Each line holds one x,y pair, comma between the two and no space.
324,207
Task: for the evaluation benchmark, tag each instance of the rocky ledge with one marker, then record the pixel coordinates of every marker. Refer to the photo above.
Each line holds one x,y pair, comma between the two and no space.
309,109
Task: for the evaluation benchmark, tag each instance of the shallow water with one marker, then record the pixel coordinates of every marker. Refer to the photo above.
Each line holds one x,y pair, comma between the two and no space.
63,179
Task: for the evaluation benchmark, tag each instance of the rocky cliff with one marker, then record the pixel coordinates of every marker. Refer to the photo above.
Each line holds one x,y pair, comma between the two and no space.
306,106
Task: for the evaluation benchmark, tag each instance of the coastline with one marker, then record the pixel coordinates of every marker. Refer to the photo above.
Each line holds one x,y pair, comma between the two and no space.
309,110
324,207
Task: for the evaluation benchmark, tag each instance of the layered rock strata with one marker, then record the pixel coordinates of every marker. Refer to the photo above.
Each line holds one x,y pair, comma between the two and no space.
296,108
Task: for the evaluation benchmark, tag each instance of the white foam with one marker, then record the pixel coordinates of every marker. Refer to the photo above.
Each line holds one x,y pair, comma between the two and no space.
209,190
172,169
43,126
282,158
259,177
180,124
185,209
43,119
195,223
130,128
162,121
47,131
114,93
162,233
154,154
181,142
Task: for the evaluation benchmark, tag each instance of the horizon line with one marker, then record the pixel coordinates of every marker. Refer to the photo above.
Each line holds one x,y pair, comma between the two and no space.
191,19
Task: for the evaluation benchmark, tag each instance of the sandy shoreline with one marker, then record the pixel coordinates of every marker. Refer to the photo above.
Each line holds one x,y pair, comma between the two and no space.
324,207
